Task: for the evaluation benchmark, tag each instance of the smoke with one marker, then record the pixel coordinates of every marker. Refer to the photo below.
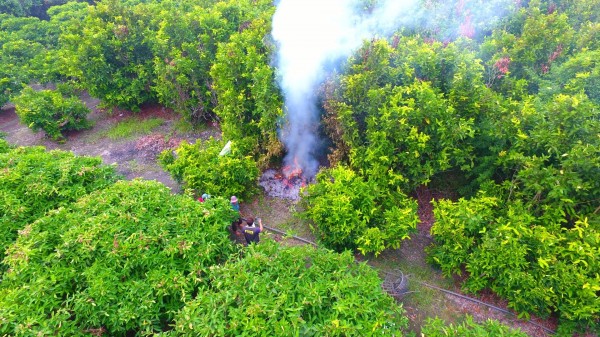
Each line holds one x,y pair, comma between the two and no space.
313,35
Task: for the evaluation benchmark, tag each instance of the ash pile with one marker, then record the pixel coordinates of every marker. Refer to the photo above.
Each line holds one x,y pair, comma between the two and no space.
283,185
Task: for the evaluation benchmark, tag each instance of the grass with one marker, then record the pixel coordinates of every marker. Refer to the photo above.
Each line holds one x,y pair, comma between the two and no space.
184,126
130,127
127,128
136,167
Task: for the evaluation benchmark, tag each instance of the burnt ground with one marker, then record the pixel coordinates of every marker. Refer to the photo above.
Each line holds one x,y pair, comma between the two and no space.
136,158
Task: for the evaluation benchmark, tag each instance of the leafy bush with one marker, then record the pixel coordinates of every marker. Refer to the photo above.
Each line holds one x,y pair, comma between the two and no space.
351,213
4,145
538,266
200,167
110,52
34,181
27,46
35,8
250,103
289,291
185,48
122,260
405,113
438,328
49,111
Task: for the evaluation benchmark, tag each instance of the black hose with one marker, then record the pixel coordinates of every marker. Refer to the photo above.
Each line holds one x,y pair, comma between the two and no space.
292,236
474,300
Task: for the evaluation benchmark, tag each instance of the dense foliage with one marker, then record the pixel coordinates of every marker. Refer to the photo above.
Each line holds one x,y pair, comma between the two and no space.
24,44
289,291
109,53
50,111
133,259
538,265
505,110
515,121
201,167
177,53
34,181
121,260
405,112
438,328
36,8
350,212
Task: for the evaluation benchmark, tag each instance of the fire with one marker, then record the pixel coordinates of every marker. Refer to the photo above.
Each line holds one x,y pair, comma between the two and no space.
294,171
291,174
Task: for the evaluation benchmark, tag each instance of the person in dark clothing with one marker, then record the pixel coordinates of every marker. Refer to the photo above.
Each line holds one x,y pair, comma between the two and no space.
251,232
236,226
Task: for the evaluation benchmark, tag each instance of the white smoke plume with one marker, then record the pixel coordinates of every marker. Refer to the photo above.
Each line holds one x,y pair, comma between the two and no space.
311,35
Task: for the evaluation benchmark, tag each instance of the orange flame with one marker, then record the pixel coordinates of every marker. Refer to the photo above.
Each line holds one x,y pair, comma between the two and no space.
294,171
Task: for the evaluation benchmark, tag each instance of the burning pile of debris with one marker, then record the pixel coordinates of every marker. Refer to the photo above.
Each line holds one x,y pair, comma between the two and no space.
284,184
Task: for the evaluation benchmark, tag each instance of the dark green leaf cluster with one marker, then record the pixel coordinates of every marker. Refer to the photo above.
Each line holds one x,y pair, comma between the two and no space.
110,53
34,181
288,291
35,8
122,260
131,52
350,212
24,47
185,48
533,238
206,59
516,121
32,50
201,167
438,328
50,111
401,114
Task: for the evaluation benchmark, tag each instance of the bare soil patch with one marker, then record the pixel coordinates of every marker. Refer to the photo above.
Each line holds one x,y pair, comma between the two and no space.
135,157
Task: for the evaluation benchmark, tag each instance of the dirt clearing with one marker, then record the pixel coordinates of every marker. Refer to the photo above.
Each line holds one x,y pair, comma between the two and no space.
135,155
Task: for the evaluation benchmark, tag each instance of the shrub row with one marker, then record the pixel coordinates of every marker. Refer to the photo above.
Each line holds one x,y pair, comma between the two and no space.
34,181
123,259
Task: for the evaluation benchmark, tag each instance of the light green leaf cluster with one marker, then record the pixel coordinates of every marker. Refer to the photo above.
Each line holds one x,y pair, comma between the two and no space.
34,181
125,258
200,167
349,212
287,291
50,111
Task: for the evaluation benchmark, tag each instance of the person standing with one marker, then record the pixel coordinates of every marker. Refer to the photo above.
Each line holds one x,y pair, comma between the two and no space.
251,232
237,224
234,204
